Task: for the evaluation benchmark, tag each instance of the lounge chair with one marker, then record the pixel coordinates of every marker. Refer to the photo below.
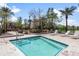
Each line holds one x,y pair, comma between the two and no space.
56,32
66,34
75,36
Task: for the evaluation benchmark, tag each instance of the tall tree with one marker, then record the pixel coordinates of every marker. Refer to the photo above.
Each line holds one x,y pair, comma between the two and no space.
40,18
25,23
43,23
66,12
5,13
33,15
52,16
19,23
29,22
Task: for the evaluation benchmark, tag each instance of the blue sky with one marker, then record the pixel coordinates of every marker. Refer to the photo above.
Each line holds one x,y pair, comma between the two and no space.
23,9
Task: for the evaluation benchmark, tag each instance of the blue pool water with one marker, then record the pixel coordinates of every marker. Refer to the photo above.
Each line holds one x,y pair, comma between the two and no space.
38,46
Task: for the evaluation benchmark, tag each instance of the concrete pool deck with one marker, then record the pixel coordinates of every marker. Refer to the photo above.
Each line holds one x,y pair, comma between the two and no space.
8,49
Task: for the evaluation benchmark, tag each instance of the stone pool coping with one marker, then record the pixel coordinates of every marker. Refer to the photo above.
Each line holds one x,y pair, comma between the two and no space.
7,49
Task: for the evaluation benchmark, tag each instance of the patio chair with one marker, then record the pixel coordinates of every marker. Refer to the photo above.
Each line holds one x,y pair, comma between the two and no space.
75,36
66,34
56,32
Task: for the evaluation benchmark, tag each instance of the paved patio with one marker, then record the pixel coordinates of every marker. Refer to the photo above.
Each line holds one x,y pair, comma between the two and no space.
8,49
72,49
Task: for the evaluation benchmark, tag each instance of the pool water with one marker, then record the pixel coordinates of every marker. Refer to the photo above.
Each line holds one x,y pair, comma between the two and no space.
38,46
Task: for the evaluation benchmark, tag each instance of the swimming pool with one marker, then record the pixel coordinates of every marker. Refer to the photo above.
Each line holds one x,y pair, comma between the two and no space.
38,46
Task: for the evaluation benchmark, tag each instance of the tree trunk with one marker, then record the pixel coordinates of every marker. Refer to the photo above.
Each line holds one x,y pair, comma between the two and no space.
5,24
52,24
29,25
66,23
41,26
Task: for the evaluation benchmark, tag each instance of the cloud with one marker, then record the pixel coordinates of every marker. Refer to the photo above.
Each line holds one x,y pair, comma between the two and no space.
15,9
3,4
70,22
73,22
77,10
58,12
13,19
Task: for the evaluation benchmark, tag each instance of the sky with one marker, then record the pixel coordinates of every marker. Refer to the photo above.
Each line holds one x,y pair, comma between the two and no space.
23,9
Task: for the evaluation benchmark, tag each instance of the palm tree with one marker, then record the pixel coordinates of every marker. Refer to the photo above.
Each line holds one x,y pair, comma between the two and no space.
43,22
29,22
19,23
5,13
66,12
52,16
25,23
